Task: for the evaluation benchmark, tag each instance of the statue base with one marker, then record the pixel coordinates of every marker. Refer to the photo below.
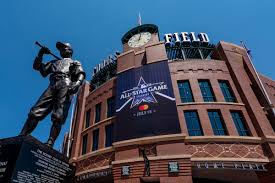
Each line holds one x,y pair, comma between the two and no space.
27,160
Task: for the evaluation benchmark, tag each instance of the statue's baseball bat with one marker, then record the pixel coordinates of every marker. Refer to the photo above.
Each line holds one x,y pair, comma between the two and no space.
38,44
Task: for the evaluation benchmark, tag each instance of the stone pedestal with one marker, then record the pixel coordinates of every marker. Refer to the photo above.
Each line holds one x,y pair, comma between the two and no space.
26,160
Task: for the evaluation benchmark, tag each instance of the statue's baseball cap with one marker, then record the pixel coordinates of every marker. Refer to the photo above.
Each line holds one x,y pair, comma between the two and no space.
60,45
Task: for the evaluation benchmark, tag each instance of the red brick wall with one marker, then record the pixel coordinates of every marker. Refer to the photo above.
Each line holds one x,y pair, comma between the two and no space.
234,67
243,76
269,85
213,71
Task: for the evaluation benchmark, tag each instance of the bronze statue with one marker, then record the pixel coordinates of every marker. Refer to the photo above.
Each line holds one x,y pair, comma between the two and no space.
146,163
66,76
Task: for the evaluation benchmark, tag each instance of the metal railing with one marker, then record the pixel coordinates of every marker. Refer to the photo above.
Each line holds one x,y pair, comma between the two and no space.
104,75
189,52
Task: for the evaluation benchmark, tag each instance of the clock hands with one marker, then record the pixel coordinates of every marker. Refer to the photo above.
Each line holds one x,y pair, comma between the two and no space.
139,39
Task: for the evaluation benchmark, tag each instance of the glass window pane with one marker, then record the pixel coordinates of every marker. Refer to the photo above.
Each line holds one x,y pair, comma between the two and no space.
87,120
239,123
206,90
108,135
95,139
97,112
217,123
185,91
227,91
84,144
193,123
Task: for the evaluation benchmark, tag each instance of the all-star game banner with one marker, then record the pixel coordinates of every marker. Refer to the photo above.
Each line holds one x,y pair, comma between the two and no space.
145,103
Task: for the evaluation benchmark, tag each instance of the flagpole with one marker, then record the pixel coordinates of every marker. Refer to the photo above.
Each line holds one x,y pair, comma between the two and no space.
139,19
260,81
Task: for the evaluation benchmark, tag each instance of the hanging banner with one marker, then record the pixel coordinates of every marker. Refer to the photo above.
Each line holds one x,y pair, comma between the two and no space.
145,103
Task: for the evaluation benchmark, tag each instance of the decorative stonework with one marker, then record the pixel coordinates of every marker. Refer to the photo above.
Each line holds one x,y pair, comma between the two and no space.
200,70
226,150
95,162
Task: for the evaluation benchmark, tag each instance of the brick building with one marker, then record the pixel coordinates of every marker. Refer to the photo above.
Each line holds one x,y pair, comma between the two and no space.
225,120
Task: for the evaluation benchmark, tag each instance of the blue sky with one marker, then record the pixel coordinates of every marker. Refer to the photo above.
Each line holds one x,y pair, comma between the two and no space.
94,28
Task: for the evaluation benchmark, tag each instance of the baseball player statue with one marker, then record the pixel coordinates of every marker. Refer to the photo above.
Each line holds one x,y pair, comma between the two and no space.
66,76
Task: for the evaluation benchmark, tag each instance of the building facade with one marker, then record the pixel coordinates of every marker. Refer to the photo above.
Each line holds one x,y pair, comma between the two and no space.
179,110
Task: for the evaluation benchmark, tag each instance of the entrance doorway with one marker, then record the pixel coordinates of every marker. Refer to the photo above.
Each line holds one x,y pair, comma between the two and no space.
223,176
149,179
203,180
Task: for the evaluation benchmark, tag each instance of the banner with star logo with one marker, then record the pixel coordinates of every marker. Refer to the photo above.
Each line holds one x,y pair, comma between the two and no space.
145,103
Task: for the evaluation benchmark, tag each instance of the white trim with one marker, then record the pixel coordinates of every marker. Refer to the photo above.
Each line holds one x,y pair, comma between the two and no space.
124,105
263,160
166,96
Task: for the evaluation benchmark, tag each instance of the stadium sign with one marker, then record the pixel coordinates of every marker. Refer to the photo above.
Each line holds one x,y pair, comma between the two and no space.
105,63
185,38
230,165
93,175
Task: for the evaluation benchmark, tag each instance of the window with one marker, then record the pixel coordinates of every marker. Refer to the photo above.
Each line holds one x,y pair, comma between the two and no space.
95,139
87,120
108,135
110,107
239,123
206,90
84,144
193,123
185,91
227,91
217,123
97,112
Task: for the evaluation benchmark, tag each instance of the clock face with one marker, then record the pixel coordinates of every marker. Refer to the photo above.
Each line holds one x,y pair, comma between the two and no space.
139,39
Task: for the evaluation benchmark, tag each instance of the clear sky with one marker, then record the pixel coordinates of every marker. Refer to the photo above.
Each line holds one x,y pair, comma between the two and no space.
94,28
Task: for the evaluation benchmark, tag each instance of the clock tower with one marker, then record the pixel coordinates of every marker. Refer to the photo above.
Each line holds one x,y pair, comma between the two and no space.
140,36
141,45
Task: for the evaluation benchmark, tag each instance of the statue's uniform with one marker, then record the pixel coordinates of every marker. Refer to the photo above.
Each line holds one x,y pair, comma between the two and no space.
66,76
56,97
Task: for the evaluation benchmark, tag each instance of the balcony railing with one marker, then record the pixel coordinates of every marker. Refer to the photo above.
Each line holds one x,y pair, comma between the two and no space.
184,52
103,75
